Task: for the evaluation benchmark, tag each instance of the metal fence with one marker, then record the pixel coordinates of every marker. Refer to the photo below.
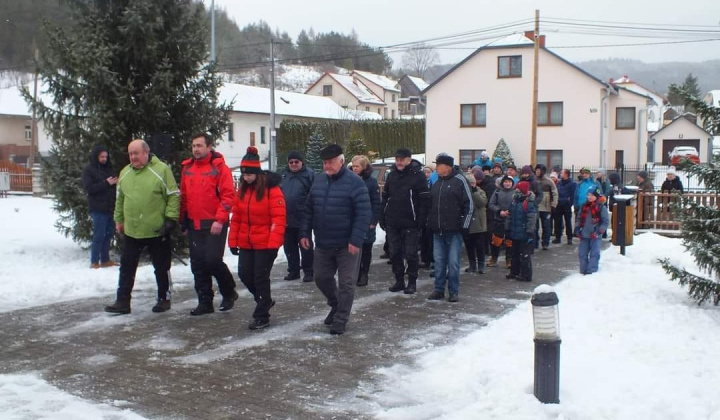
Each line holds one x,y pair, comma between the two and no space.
656,174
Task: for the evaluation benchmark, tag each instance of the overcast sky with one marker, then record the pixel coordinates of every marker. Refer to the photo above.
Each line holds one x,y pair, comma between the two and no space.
388,22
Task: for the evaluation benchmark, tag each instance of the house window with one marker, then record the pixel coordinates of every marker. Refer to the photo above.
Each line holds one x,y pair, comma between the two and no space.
510,66
262,135
467,157
393,97
550,113
550,158
231,134
625,118
327,90
28,132
473,115
367,108
380,111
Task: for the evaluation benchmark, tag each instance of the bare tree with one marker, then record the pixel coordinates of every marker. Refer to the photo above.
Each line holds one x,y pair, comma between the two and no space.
419,58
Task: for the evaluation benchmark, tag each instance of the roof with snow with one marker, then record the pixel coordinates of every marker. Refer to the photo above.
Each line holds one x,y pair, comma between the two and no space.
382,81
418,82
12,102
256,100
638,88
713,98
357,89
512,39
680,119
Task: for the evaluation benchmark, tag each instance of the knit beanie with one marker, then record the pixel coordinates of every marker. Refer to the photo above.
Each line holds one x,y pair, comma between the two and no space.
250,163
478,174
643,175
295,155
507,178
527,169
523,187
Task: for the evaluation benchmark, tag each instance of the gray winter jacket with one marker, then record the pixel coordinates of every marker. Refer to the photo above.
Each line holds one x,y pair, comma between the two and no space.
479,219
500,201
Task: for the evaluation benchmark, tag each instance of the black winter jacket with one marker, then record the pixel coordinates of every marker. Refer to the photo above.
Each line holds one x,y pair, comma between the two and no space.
375,203
535,187
337,210
674,185
452,206
405,197
296,186
101,195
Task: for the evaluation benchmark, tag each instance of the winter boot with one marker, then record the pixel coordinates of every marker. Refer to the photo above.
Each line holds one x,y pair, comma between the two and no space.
309,277
508,263
472,268
569,242
259,324
227,303
399,285
203,308
492,262
121,306
556,241
293,275
362,280
162,305
411,287
331,316
453,297
436,295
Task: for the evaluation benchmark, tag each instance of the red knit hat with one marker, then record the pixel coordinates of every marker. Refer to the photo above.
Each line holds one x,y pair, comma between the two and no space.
523,187
250,163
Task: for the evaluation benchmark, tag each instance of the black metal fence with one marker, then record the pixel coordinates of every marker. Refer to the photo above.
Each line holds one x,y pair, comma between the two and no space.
657,174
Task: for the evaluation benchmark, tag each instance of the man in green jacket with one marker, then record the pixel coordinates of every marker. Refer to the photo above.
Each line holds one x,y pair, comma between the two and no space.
147,208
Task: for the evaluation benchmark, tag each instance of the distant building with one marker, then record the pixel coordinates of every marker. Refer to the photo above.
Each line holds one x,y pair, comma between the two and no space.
682,131
361,91
16,127
412,101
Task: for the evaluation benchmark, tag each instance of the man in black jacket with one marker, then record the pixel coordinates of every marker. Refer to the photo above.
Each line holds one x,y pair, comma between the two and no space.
405,199
99,180
451,212
296,183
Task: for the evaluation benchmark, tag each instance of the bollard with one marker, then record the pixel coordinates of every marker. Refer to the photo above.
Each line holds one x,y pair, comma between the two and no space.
546,323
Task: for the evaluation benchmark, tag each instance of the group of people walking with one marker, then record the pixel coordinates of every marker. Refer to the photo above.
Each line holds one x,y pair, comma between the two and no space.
327,222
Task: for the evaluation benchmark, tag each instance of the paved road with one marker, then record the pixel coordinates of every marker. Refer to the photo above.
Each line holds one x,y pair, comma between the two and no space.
176,366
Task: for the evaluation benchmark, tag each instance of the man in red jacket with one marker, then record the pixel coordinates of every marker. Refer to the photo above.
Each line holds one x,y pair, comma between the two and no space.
207,193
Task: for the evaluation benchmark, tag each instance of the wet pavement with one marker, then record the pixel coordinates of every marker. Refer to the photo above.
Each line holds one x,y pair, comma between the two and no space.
174,366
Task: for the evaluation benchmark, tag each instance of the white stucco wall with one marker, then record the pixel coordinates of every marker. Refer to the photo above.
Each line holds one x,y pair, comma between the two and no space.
509,108
340,95
629,141
243,125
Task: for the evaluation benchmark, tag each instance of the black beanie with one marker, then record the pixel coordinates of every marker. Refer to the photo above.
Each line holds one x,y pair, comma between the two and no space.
295,155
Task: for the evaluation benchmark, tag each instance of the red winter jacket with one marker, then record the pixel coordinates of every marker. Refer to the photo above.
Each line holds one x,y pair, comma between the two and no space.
259,224
207,191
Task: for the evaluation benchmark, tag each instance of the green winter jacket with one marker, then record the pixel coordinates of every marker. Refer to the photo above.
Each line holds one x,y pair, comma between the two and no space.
479,219
146,197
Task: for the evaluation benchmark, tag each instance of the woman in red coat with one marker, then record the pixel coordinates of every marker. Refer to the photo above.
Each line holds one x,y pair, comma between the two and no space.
257,230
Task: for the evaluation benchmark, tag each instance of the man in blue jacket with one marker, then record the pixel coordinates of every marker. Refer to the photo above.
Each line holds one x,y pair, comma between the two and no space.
586,185
296,182
338,211
564,210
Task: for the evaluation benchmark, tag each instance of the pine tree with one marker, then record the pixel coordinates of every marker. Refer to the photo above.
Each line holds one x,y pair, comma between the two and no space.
315,144
122,70
355,145
700,222
502,151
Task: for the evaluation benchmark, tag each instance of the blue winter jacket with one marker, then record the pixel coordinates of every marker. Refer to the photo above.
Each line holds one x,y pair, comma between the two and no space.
296,186
520,224
582,189
566,192
337,210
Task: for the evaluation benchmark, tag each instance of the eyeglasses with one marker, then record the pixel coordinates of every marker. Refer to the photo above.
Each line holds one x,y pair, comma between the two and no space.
294,162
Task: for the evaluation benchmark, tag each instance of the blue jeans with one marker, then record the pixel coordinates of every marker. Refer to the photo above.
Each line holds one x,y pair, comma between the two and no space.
103,231
446,251
544,221
589,255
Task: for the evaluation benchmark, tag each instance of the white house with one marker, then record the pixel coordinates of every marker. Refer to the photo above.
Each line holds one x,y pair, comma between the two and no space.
16,126
385,88
680,132
654,112
250,117
582,120
362,91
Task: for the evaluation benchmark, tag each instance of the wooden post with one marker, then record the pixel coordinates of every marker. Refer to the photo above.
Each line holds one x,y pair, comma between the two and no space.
533,135
33,126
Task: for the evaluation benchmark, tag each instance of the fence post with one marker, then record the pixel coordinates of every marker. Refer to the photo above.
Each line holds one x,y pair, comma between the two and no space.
38,188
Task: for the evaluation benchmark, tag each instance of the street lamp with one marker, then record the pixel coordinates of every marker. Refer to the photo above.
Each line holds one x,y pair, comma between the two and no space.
546,323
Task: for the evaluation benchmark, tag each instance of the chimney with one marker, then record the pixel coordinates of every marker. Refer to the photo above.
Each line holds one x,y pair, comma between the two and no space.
531,36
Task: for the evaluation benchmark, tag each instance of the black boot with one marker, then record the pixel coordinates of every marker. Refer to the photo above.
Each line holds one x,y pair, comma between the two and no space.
292,275
162,305
411,287
227,303
399,285
204,307
362,280
121,306
331,316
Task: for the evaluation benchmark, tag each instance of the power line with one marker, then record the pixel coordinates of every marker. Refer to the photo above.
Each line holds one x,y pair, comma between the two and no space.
630,23
639,44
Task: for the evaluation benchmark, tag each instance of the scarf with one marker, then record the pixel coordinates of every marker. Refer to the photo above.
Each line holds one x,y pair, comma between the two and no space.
594,209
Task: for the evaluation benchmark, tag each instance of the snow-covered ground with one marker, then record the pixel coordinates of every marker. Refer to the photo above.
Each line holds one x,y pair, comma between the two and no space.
634,345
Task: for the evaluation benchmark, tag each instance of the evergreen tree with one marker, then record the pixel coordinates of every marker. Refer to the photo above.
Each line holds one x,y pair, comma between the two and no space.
315,144
355,145
122,70
689,86
700,222
502,151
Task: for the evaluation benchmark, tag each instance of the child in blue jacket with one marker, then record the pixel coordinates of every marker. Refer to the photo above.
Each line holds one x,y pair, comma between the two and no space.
591,222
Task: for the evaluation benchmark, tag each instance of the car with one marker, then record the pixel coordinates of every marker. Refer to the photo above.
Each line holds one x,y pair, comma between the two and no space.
381,172
687,152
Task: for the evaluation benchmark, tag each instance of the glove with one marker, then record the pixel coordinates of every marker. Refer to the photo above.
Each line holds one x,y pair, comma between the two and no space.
166,228
235,251
593,235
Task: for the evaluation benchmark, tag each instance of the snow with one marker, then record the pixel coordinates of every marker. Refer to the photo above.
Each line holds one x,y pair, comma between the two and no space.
358,90
26,396
634,347
380,80
512,39
256,100
419,83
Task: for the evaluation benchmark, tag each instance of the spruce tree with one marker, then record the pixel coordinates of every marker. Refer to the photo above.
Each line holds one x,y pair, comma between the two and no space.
122,70
355,145
700,222
502,151
315,144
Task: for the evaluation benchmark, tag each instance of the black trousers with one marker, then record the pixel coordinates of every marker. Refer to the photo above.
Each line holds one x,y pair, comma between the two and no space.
521,253
365,259
404,243
426,246
206,262
254,270
475,248
160,252
294,252
563,213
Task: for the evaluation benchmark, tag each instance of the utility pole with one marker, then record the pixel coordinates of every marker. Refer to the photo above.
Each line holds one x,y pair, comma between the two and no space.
533,136
212,31
273,139
33,127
